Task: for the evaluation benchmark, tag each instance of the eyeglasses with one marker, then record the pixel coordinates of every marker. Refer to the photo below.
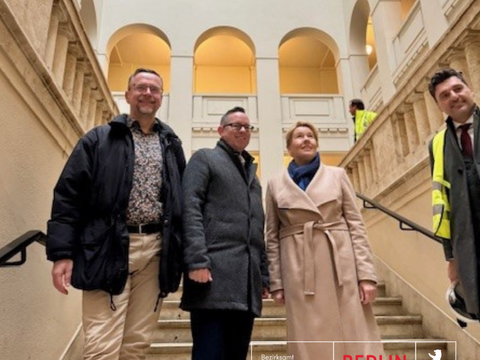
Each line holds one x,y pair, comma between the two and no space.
238,127
142,88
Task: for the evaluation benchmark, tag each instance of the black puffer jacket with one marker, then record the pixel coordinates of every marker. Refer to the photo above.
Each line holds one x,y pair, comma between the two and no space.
88,223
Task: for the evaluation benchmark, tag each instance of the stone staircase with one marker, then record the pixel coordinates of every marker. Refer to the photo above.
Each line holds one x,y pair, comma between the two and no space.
402,333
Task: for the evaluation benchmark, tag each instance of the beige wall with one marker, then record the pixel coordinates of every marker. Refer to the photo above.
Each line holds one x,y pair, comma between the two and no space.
51,93
225,80
414,266
36,322
308,81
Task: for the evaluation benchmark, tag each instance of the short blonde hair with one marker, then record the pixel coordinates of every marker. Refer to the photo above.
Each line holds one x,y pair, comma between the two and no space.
289,134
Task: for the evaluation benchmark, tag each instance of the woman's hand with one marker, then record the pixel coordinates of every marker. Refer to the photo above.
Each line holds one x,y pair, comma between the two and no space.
368,291
278,297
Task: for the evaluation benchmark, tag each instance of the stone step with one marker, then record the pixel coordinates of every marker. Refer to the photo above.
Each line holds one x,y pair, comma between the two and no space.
172,339
388,306
391,327
399,350
382,306
179,330
400,327
178,294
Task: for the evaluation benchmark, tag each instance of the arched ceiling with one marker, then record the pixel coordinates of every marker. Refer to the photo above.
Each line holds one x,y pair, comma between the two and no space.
305,51
141,48
221,50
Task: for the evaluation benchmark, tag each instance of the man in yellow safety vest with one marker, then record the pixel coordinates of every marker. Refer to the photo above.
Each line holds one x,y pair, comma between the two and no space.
361,118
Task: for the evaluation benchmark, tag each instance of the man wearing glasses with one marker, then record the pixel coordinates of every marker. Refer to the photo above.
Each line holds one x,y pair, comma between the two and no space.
226,272
116,224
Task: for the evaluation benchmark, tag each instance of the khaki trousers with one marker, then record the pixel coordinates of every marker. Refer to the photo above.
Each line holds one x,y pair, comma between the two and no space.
125,333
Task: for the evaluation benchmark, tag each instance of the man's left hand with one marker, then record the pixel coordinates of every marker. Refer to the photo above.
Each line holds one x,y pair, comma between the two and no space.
265,293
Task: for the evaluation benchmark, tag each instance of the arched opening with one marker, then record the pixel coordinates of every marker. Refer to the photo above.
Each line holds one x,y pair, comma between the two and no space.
307,61
224,62
362,37
137,46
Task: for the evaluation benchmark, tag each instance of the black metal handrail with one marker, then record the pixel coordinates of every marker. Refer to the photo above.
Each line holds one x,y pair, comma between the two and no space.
19,245
403,222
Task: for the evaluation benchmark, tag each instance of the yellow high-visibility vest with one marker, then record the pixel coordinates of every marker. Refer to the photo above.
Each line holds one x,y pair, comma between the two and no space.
363,119
440,202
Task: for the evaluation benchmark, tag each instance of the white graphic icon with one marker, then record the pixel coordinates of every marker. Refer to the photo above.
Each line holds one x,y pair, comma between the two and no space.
437,356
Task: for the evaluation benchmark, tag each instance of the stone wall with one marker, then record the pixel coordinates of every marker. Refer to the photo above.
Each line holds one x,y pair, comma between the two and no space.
53,91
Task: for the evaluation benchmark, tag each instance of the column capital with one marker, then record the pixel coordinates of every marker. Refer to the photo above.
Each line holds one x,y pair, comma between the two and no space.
65,29
415,96
470,37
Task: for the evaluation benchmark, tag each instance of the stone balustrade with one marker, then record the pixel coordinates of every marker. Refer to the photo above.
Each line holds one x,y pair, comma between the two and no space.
394,148
50,45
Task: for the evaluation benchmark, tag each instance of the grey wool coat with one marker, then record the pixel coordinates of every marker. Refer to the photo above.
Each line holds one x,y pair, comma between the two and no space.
461,247
223,231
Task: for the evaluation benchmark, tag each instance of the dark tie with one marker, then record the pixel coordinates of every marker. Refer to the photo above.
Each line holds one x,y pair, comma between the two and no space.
466,141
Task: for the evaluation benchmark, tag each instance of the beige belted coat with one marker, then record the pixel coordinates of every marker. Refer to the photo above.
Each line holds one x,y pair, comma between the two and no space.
318,252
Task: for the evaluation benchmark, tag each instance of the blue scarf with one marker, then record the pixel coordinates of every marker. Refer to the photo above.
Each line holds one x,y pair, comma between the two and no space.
303,174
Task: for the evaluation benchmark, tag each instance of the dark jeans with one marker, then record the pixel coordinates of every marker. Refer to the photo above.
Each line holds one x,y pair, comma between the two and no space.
221,334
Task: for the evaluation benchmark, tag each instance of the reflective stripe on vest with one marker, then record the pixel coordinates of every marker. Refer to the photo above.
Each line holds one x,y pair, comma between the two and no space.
440,202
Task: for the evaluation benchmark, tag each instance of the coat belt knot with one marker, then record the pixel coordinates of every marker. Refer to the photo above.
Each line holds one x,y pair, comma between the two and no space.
308,259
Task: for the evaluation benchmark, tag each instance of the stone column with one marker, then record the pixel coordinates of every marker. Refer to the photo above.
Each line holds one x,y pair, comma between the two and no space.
99,112
359,71
362,176
181,99
86,97
411,128
421,117
106,116
399,135
355,177
61,49
373,162
70,70
458,62
369,174
386,16
104,61
271,140
52,36
92,108
78,86
472,55
435,115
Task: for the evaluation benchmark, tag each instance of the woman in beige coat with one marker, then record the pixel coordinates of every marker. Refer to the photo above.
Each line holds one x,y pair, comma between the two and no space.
320,262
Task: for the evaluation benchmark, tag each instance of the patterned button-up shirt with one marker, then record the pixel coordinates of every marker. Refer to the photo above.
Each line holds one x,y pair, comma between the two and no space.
144,206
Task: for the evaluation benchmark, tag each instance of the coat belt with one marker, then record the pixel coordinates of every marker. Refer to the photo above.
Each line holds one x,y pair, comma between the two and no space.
308,254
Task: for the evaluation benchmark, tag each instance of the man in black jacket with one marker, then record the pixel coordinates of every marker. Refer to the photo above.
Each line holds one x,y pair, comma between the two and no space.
116,224
226,269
